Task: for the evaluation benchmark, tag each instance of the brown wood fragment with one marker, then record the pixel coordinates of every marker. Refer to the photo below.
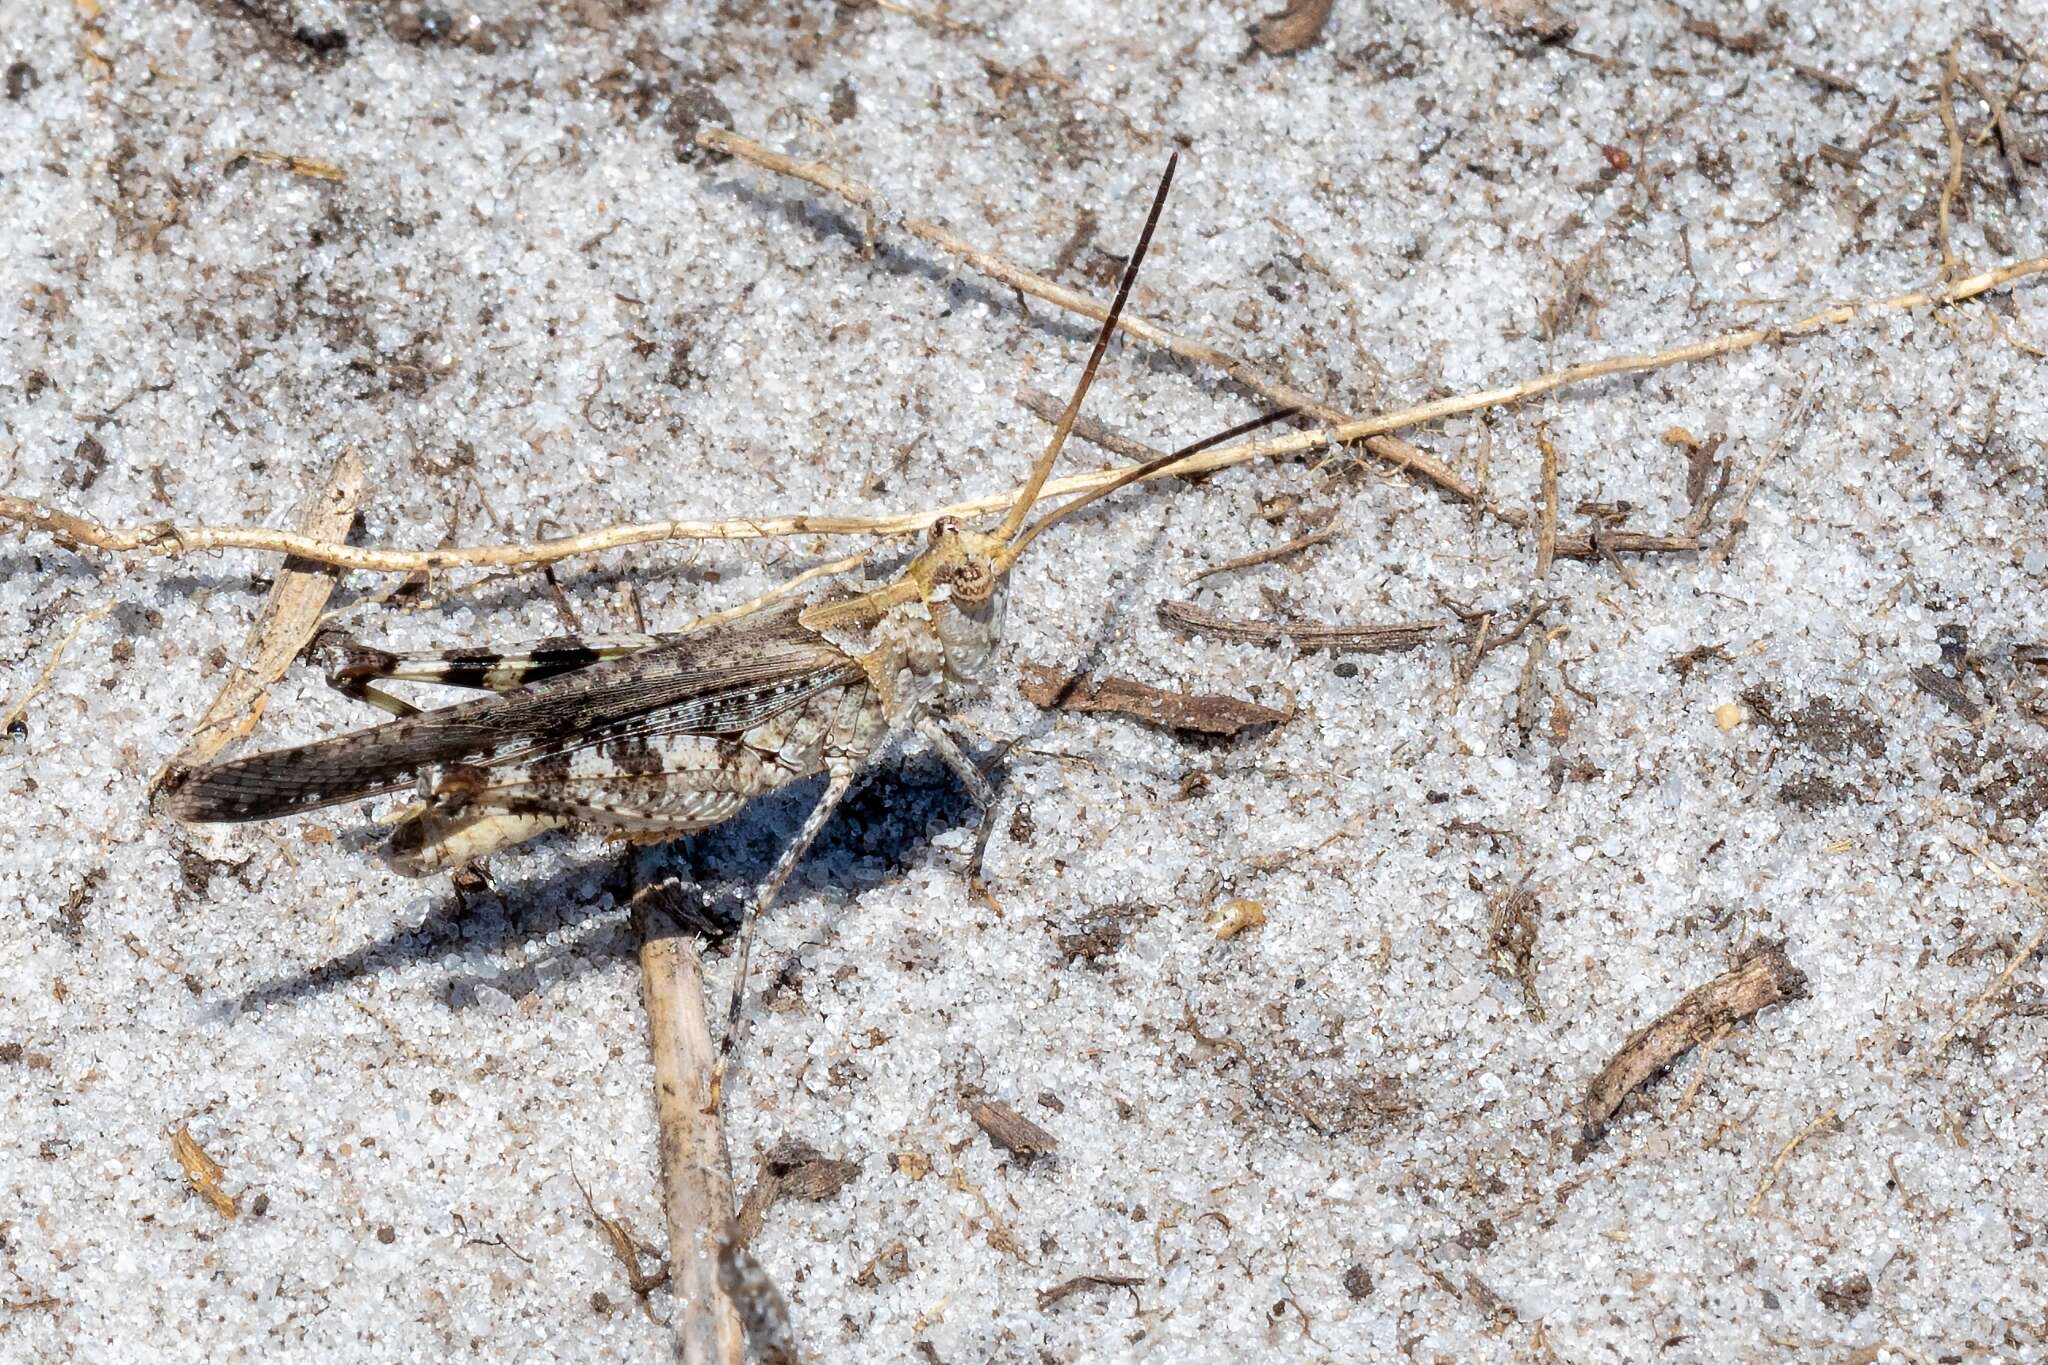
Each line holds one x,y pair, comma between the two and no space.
1011,1131
203,1173
1948,691
1546,525
1292,29
1069,1288
893,1258
626,1247
1186,616
696,1178
793,1170
1267,556
1684,664
1052,408
1202,713
289,617
1741,44
1764,977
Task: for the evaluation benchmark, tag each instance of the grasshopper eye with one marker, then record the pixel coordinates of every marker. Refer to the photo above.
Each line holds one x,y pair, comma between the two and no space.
973,580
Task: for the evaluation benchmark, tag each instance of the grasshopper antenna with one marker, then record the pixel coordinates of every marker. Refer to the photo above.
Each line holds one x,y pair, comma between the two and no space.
1043,469
1015,549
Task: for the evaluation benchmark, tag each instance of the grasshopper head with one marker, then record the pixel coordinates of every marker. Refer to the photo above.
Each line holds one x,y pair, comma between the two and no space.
961,577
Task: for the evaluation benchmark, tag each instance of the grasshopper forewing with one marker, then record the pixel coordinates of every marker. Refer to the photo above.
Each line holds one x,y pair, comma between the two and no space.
654,737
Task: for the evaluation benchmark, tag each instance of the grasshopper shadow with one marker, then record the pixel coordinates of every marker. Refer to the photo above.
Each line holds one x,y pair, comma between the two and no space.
889,820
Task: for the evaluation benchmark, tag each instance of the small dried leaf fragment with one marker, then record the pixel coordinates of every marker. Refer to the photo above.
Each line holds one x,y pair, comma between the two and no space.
1292,29
1234,917
1068,1288
1011,1131
203,1173
1206,714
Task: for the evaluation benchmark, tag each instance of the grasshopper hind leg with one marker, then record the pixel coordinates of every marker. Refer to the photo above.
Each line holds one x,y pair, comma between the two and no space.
353,668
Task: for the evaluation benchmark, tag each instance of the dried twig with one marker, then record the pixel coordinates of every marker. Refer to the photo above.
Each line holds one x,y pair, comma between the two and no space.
1364,639
696,1183
625,1249
1203,713
1546,525
19,709
165,539
1267,556
287,621
1396,453
1944,105
1792,1144
1932,1052
312,168
1068,1288
1049,407
1764,977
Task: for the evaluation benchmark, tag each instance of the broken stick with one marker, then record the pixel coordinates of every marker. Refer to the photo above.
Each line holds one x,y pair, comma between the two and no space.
696,1181
1763,977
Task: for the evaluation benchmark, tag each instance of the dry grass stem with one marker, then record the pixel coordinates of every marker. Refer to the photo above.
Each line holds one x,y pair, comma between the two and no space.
19,709
287,621
1186,616
1819,1121
166,539
1945,106
696,1181
1266,556
1546,526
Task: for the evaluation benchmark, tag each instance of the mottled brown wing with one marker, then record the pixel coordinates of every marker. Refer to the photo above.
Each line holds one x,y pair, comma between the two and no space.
719,680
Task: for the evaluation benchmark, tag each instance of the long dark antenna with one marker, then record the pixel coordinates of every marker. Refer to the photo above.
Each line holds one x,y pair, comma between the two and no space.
1043,469
1134,475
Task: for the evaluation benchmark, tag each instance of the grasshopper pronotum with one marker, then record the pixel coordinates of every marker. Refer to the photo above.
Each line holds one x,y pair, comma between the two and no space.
661,735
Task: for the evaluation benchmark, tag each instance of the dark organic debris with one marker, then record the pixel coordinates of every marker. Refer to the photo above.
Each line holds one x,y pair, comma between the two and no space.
1763,977
1201,713
1068,1288
1188,617
1012,1132
1292,29
1849,1294
1513,917
1823,726
792,1170
1684,664
1948,691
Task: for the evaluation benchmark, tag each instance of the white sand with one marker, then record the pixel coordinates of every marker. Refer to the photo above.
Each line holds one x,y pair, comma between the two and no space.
530,316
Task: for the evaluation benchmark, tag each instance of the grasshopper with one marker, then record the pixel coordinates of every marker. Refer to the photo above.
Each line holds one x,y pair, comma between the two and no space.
656,736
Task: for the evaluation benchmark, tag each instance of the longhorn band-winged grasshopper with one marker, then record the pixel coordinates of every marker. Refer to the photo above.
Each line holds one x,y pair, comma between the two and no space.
658,736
